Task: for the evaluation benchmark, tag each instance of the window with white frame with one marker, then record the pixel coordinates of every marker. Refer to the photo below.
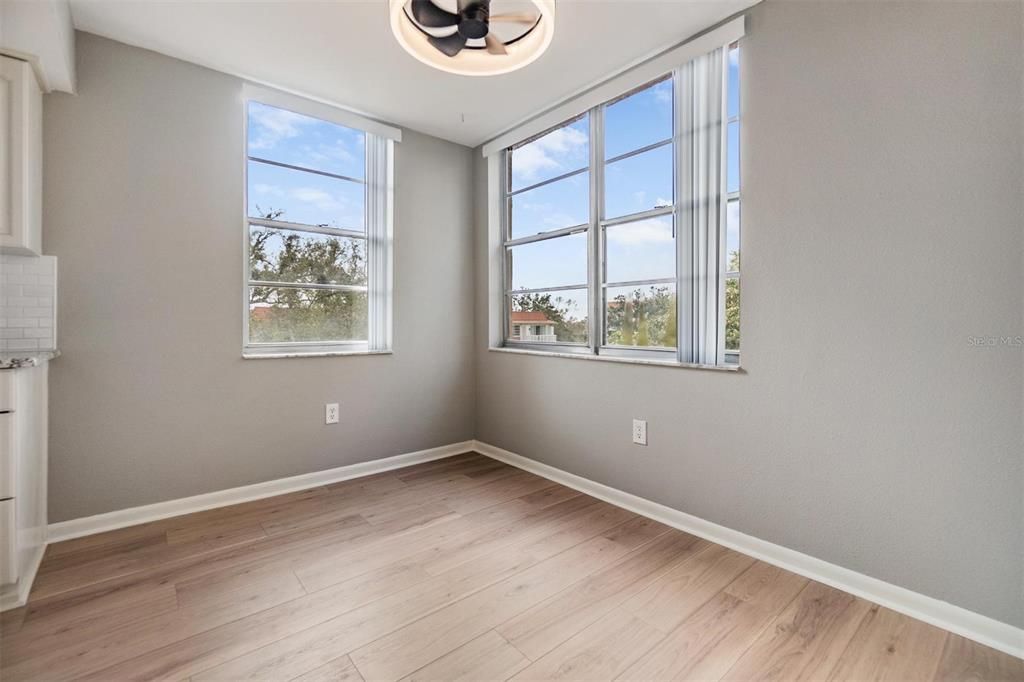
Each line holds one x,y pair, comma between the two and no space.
318,233
620,227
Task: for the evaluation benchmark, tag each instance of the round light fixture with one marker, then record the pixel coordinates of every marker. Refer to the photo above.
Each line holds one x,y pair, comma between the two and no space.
466,38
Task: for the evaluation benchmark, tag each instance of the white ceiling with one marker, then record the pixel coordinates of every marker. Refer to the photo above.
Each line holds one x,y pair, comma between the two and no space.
343,51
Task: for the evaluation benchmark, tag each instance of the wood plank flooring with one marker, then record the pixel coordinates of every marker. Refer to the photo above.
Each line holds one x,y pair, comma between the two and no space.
458,569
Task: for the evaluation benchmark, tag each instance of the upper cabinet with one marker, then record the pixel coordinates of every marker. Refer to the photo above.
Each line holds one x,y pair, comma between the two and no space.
21,158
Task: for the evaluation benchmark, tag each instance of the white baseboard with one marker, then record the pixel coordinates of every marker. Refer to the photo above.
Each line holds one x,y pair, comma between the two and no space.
76,528
974,626
13,596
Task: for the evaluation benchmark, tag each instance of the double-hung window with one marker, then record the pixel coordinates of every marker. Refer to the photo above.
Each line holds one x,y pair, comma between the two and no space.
620,227
317,232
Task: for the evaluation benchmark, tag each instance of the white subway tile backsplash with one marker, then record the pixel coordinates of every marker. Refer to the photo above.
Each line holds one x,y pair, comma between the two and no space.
28,298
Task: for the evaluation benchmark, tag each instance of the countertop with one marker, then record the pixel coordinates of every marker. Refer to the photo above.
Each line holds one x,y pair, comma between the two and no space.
27,359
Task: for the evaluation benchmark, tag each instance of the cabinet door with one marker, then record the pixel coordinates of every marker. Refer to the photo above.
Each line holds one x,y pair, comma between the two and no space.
7,455
21,162
8,549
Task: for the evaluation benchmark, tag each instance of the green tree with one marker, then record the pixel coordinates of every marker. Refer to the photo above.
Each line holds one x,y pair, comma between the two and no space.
643,318
732,305
284,314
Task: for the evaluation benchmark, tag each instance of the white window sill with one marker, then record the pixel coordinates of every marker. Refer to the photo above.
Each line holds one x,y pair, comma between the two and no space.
622,360
311,354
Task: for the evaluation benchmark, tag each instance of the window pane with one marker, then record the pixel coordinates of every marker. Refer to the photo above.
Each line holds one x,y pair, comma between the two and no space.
734,83
733,158
639,183
288,137
641,119
557,262
562,150
305,257
561,204
556,316
732,314
732,236
297,315
307,198
641,316
641,250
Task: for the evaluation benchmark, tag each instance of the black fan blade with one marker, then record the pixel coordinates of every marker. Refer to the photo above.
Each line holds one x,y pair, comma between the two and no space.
450,45
430,15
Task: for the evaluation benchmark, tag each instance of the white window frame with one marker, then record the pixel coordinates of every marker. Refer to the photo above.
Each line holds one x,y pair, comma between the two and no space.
378,185
593,103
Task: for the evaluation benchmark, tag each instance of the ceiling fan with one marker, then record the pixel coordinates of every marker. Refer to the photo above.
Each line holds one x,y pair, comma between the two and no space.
474,37
472,21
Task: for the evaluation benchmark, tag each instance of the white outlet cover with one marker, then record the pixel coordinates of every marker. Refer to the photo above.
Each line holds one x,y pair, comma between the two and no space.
331,413
640,431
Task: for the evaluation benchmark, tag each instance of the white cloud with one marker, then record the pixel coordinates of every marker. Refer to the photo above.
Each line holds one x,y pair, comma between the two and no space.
317,197
547,153
263,188
270,125
663,92
338,151
642,233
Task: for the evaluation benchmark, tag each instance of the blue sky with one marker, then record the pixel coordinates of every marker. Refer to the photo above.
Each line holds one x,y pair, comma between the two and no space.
637,250
288,137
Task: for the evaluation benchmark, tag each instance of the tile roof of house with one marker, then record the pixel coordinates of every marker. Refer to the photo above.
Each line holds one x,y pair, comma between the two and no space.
529,316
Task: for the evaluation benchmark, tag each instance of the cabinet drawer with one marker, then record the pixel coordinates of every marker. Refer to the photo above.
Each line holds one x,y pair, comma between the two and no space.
6,389
8,550
6,455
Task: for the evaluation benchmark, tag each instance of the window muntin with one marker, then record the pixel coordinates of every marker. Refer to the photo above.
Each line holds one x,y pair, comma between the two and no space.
317,236
637,259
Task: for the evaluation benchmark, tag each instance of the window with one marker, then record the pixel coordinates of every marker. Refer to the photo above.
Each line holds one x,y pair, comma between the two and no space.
318,234
620,227
732,219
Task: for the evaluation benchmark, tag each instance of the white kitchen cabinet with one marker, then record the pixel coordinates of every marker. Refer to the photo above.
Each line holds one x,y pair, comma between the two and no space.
21,158
23,455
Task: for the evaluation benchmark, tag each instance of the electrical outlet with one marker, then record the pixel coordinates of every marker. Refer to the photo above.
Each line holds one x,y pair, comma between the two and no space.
331,413
640,431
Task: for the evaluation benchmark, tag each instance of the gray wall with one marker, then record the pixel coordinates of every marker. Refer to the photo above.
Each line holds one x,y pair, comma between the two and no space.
151,399
882,226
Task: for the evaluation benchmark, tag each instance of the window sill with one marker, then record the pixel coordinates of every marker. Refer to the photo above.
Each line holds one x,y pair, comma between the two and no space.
311,354
621,360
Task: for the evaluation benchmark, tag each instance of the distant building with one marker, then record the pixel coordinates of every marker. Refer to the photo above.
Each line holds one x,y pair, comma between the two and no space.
528,325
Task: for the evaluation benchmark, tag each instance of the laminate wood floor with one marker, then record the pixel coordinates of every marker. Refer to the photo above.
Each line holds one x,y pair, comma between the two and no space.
462,568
